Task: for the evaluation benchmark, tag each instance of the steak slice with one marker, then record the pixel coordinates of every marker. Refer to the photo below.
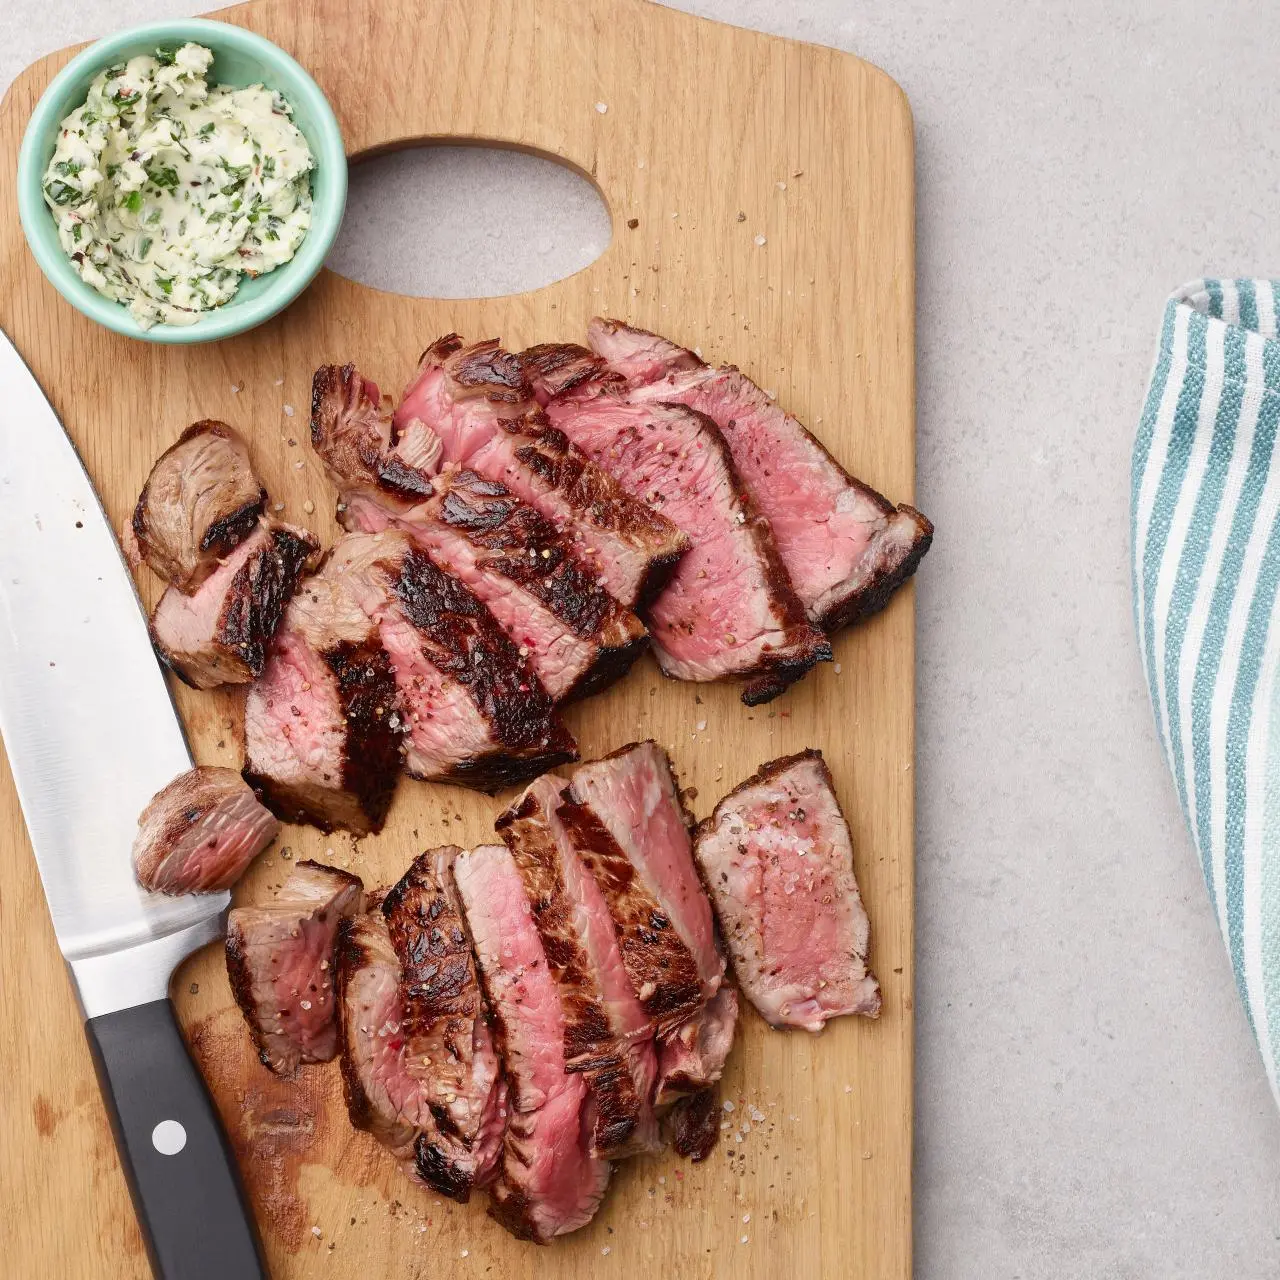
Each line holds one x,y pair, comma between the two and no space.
220,634
199,503
692,1057
846,547
322,736
729,610
474,711
549,1182
200,832
353,435
280,959
607,1034
577,637
453,1093
481,408
625,819
777,858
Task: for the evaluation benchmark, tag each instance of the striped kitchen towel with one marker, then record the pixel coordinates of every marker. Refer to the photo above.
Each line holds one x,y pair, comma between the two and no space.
1206,568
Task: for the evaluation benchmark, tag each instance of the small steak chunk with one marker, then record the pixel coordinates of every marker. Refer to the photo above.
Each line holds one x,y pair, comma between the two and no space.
578,638
200,833
200,502
549,1183
729,609
475,712
694,1125
280,959
458,1100
353,435
692,1057
624,816
220,634
607,1033
322,737
778,859
481,408
846,547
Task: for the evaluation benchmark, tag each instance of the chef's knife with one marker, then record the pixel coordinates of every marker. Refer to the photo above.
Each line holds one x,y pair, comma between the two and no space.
92,734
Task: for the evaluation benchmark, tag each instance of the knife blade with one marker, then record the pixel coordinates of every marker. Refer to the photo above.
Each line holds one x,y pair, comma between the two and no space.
91,734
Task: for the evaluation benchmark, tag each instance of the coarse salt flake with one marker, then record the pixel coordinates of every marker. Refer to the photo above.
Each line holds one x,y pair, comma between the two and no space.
309,507
602,107
702,724
315,1231
288,411
728,1104
760,240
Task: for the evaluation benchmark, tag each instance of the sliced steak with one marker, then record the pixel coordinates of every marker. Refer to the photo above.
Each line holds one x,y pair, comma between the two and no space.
475,712
280,959
777,858
354,437
200,832
694,1125
549,1182
692,1057
199,503
322,734
608,1036
577,637
729,610
219,635
450,1089
845,546
624,817
478,404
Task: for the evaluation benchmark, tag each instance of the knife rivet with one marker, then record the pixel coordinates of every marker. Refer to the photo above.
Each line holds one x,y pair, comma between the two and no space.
168,1137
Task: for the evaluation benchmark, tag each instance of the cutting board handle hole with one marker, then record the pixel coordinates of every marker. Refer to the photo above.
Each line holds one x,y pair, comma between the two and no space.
453,221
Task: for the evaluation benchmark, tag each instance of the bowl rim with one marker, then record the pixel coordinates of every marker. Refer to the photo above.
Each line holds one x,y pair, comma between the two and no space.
291,278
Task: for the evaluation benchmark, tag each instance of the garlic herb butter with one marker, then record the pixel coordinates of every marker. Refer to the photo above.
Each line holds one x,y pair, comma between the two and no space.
168,190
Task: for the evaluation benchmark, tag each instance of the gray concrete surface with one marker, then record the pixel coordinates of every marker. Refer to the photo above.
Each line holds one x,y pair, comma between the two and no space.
1089,1103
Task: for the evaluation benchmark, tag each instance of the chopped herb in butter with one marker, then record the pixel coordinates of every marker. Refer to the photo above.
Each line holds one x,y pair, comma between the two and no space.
167,190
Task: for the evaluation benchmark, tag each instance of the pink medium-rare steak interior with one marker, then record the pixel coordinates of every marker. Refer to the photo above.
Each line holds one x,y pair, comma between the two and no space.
322,734
549,1183
478,403
280,960
777,858
219,634
199,833
845,546
729,609
199,503
577,638
475,711
603,1021
633,793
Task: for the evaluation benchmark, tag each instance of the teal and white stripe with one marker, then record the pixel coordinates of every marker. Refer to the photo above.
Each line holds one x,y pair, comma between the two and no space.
1205,527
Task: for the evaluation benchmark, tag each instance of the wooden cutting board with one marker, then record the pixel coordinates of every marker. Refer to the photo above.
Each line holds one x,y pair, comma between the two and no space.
761,193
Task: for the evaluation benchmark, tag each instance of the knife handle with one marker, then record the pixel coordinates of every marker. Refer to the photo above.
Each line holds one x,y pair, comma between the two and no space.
182,1174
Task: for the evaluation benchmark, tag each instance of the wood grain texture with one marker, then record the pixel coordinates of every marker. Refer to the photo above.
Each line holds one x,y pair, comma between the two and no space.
704,123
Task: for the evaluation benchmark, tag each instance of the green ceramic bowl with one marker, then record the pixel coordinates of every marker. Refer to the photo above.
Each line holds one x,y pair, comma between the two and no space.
239,58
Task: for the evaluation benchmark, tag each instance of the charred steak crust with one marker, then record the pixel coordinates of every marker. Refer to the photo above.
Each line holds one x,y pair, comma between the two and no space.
340,395
590,1046
468,645
694,1124
349,957
254,603
524,547
224,535
662,969
561,465
557,368
371,761
485,368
